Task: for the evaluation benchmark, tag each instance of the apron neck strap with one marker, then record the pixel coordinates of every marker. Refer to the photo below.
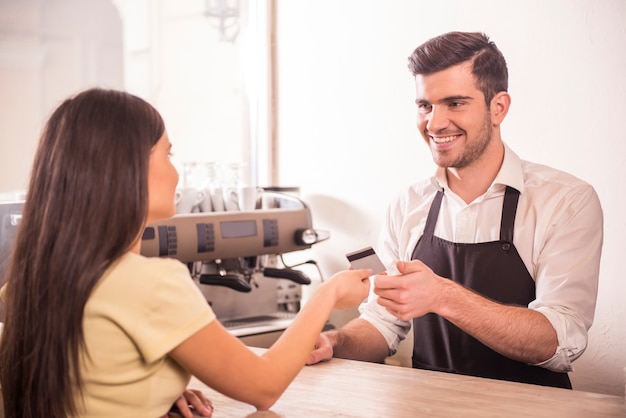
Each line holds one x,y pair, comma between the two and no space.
509,207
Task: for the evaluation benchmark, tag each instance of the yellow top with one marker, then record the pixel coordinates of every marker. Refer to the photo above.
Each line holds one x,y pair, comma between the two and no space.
140,310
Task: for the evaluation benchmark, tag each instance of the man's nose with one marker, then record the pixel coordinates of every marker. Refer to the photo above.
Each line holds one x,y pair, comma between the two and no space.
437,119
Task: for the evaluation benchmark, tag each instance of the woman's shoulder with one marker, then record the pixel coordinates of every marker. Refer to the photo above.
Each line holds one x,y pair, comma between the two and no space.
133,272
137,262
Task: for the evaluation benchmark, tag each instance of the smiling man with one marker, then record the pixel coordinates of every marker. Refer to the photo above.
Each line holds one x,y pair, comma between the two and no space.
494,261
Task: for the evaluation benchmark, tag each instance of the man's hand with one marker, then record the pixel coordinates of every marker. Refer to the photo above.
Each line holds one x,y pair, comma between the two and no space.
322,351
202,406
411,294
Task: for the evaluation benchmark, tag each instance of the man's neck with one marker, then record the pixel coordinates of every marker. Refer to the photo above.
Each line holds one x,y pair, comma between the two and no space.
473,181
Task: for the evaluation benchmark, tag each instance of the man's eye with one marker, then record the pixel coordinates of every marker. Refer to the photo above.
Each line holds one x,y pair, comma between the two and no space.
424,107
456,104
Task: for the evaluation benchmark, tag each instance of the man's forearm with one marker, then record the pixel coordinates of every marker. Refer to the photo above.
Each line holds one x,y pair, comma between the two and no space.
515,332
358,340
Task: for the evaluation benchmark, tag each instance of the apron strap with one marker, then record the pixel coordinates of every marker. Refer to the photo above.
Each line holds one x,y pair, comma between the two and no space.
433,213
509,207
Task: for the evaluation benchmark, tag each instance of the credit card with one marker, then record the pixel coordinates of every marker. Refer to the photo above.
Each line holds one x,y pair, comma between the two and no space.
366,258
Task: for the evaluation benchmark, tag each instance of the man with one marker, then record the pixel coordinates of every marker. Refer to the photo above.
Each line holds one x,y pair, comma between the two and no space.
505,253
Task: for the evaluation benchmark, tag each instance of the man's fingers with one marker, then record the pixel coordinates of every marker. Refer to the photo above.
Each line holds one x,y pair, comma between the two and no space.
406,267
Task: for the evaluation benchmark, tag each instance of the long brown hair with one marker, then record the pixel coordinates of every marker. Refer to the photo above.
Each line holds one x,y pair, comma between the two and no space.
453,48
86,205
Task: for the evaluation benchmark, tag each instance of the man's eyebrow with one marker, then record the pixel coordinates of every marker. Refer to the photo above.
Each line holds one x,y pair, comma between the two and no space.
447,99
455,99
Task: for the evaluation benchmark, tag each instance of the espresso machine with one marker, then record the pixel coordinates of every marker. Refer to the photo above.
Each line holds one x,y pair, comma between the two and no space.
235,258
10,217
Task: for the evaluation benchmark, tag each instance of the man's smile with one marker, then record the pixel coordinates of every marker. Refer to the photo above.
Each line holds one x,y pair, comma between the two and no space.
443,139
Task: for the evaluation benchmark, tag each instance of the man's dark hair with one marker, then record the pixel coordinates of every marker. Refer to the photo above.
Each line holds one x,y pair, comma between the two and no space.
453,48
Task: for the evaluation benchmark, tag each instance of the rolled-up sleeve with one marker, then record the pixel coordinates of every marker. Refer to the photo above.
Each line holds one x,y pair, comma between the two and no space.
393,232
392,329
567,273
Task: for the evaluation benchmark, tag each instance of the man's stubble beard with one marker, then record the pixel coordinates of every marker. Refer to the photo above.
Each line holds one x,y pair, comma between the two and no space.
474,150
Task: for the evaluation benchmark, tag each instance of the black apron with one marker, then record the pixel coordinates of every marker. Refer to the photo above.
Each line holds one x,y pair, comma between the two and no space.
492,269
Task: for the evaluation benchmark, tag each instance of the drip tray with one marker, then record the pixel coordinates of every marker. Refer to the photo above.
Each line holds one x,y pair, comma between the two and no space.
260,324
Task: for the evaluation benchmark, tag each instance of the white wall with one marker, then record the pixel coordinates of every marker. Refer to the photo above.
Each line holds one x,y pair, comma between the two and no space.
167,52
44,57
346,119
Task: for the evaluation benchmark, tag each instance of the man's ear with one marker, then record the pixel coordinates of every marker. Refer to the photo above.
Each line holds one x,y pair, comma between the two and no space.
500,107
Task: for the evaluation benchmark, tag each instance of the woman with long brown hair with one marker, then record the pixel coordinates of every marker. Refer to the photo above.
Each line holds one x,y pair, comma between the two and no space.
92,328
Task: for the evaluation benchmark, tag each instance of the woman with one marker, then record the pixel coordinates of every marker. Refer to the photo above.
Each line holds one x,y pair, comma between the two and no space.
94,329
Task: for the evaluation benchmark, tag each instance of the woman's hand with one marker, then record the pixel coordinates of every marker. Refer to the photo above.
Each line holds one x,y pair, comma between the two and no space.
193,398
351,287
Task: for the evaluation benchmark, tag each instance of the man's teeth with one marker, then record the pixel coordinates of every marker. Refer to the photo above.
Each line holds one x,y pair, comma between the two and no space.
444,139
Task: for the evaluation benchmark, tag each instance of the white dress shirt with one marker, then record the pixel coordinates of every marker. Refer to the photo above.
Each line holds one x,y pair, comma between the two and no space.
558,234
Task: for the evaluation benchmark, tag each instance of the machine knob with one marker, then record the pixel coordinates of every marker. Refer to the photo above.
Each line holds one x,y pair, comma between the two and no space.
310,236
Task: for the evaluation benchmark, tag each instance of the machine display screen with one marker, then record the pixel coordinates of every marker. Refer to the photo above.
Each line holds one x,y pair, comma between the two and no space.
238,229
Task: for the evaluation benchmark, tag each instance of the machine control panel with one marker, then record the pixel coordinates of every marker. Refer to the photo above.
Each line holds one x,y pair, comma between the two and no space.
219,235
206,237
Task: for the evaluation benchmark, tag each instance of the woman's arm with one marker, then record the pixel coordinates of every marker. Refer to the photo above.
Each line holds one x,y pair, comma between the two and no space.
224,363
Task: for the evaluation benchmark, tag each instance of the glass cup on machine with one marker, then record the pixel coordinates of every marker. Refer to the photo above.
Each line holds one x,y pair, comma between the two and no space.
246,198
188,198
232,178
202,176
218,186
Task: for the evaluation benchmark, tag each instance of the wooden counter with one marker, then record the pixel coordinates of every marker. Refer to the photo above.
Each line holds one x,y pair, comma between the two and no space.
346,388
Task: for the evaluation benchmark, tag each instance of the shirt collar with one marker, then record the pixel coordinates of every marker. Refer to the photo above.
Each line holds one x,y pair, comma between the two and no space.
510,173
